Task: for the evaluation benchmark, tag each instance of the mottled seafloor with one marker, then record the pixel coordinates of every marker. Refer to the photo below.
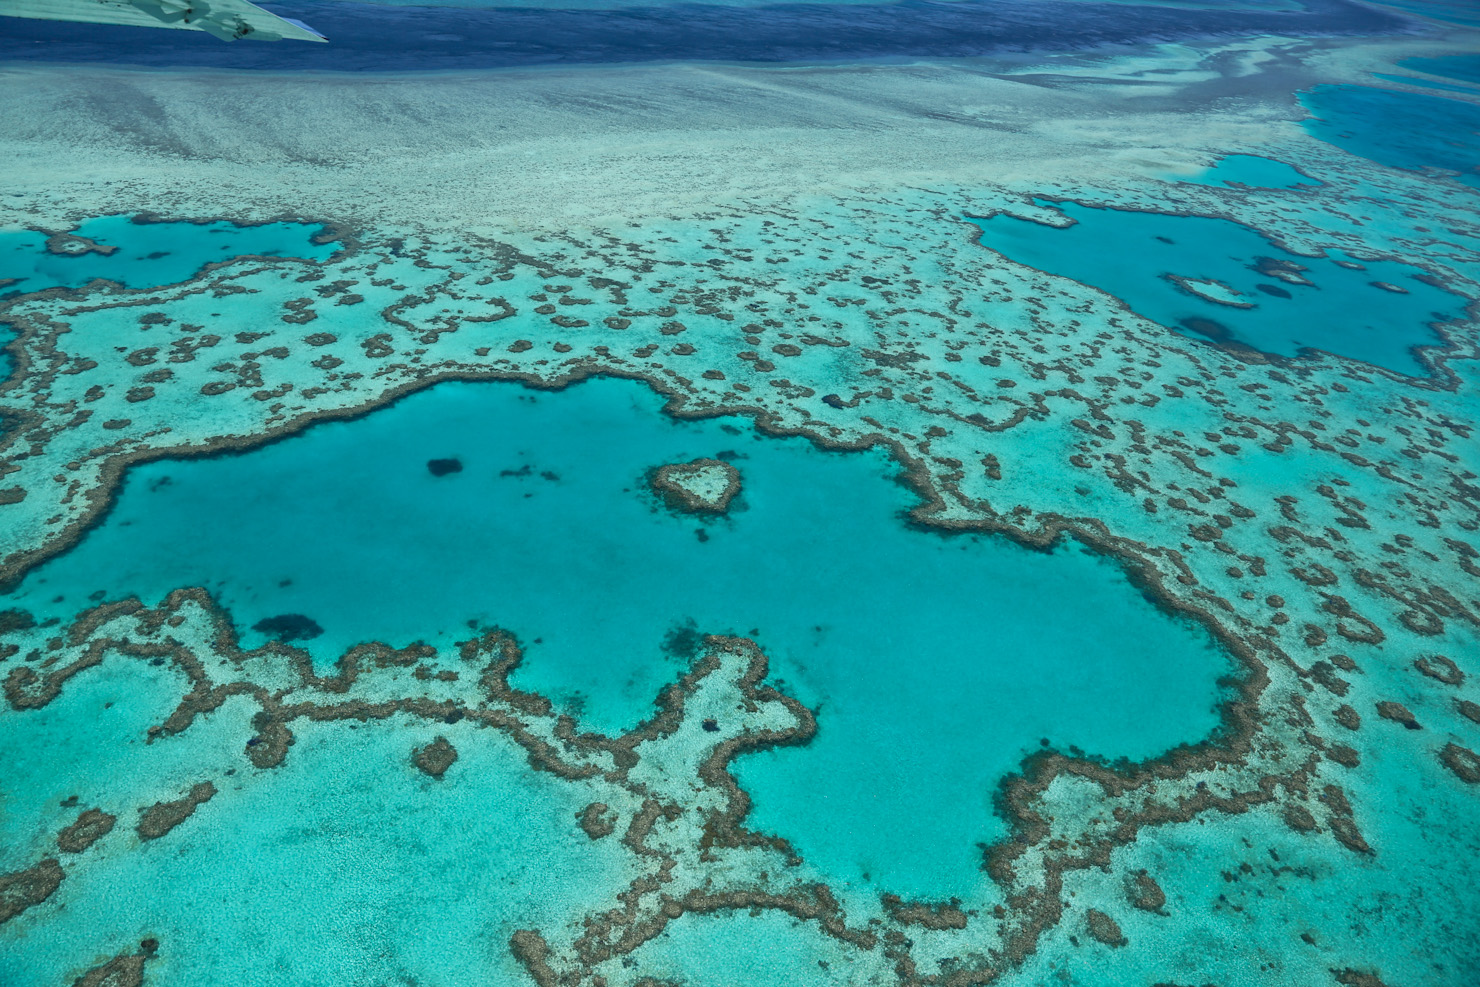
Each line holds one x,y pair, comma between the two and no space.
743,494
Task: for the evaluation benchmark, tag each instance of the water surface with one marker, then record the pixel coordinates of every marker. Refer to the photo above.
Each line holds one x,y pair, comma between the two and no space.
1399,129
1252,170
1237,286
935,661
377,37
146,254
1462,68
139,254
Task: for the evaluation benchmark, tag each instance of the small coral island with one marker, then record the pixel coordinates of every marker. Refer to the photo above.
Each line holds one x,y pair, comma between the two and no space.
702,486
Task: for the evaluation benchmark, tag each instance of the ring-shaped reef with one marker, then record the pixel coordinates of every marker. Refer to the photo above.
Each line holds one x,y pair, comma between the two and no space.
935,660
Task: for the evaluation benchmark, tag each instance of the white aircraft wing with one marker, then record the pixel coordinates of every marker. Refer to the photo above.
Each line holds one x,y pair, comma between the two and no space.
226,19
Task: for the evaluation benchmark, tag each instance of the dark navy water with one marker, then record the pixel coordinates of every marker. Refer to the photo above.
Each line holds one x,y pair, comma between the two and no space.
1453,11
380,38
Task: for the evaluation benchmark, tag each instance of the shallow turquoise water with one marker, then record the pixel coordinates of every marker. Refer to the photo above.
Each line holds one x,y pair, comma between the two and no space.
346,865
1254,171
1130,255
149,255
935,661
741,949
1398,129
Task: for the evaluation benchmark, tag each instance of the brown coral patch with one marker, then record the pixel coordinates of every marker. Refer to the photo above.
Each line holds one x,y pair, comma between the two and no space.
91,826
1347,717
1325,675
75,245
598,820
161,817
435,758
530,949
270,746
1464,762
22,889
927,915
1398,713
1347,834
1441,668
123,970
1299,819
1104,928
667,481
1467,709
1145,893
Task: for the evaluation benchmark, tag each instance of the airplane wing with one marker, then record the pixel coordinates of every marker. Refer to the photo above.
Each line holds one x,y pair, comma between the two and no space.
225,19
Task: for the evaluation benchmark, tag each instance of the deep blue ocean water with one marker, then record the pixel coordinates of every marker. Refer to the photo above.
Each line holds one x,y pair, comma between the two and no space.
392,38
1398,129
1453,11
1464,68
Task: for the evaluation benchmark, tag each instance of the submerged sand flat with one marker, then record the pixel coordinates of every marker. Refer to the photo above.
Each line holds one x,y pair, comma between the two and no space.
1194,700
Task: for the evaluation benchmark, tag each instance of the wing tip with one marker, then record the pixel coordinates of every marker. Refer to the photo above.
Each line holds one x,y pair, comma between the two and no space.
314,35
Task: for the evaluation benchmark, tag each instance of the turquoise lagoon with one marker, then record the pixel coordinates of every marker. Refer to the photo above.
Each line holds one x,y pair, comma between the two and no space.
1251,170
1134,255
148,254
935,661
